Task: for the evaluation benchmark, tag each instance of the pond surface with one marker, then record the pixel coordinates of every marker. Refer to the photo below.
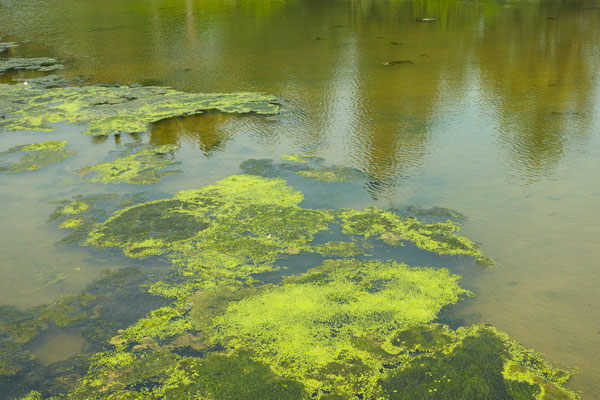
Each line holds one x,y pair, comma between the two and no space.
492,109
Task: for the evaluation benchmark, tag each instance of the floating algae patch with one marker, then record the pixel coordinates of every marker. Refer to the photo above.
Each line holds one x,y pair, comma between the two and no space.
6,45
348,328
302,165
307,324
164,375
476,362
440,237
113,110
82,213
141,167
35,156
43,64
336,173
300,158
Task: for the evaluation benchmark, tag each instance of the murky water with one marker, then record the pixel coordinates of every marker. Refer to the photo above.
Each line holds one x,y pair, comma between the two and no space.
494,110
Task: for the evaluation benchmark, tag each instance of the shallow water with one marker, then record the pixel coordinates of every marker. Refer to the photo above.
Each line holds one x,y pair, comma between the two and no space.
497,115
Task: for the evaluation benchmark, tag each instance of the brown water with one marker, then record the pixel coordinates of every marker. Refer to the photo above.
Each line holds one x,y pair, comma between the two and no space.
496,115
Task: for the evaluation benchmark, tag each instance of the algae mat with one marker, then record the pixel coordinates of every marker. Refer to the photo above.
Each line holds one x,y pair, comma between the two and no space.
351,326
113,110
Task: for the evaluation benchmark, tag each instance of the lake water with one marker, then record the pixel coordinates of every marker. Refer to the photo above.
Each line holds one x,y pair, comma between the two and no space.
493,110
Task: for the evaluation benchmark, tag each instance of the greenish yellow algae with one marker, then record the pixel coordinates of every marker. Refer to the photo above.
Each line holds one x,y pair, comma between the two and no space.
238,215
337,249
113,110
164,375
300,158
346,329
141,167
336,173
36,156
71,223
303,326
81,214
43,64
388,226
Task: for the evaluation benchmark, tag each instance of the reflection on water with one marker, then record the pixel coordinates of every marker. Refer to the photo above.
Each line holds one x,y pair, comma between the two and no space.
492,109
207,131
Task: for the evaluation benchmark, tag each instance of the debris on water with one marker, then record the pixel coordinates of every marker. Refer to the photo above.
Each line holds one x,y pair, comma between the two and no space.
398,62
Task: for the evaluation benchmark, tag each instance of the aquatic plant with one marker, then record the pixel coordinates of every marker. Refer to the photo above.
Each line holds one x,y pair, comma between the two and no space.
300,158
6,45
43,64
349,328
472,362
113,110
440,237
36,156
336,173
305,326
82,213
141,167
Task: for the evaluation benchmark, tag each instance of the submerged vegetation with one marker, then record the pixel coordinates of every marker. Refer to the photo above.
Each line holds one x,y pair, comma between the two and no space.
141,167
247,293
35,156
42,64
6,45
113,110
349,327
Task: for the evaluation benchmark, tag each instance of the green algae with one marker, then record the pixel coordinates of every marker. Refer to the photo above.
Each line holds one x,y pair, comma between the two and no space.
82,213
336,173
164,375
306,166
303,326
395,230
192,219
472,362
346,329
36,156
6,45
300,158
12,357
141,167
435,212
43,64
113,110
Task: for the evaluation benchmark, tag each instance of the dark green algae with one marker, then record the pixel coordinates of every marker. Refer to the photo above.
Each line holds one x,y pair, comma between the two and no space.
348,328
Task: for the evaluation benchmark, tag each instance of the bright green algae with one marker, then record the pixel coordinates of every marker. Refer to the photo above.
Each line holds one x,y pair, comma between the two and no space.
35,156
349,328
43,64
141,167
113,110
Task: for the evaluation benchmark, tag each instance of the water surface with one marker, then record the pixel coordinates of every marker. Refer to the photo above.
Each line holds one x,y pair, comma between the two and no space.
494,111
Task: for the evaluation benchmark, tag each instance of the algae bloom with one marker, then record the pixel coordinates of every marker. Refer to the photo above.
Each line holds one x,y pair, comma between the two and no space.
141,167
35,156
113,110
